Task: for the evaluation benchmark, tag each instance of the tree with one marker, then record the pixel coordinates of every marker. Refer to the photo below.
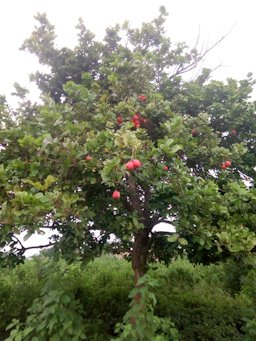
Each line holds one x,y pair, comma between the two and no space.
64,163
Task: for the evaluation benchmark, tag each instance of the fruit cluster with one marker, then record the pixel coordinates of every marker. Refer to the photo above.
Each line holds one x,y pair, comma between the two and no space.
137,120
133,164
226,164
130,165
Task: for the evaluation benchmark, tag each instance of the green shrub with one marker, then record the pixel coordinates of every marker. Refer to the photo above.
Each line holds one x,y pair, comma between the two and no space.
249,285
200,300
140,323
55,315
103,292
250,330
18,288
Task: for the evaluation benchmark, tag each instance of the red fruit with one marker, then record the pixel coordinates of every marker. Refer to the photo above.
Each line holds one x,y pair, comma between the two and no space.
135,118
119,119
166,168
116,195
129,165
142,98
136,163
233,132
194,132
88,158
228,163
223,166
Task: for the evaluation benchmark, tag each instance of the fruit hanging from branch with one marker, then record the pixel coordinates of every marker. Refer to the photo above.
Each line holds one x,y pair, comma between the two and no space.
136,163
226,164
116,195
129,165
133,164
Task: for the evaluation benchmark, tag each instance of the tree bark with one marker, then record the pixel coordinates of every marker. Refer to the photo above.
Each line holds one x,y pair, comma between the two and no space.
139,254
141,238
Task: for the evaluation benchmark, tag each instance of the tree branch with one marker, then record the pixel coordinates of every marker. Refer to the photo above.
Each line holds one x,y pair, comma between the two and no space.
134,197
127,205
146,203
163,233
22,246
186,68
38,246
163,221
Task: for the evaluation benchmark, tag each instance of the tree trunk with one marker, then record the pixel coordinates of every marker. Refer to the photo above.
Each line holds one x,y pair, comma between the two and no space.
139,254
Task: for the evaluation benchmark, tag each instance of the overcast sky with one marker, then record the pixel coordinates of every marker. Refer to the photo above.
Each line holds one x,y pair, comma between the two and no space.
237,53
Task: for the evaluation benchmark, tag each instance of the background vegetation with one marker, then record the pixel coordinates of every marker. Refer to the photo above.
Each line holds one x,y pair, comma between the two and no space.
213,302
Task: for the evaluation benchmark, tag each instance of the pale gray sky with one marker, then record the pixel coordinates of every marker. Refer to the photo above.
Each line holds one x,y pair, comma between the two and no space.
237,52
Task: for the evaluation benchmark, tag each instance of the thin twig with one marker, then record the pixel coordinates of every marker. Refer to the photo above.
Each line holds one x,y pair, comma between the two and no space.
194,63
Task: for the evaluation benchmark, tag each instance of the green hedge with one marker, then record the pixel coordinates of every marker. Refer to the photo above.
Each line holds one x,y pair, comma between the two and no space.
201,300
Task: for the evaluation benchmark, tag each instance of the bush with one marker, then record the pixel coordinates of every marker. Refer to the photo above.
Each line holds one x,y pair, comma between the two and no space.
195,297
18,288
55,315
199,299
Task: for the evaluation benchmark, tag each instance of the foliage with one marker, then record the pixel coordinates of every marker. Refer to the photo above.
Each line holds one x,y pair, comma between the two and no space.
54,315
139,322
106,103
250,330
203,301
99,287
19,287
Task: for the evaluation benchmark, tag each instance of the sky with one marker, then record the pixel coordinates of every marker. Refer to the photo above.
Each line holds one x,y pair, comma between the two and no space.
213,19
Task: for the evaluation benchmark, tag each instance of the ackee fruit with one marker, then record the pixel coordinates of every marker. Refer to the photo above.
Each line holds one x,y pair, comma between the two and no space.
129,165
116,195
136,163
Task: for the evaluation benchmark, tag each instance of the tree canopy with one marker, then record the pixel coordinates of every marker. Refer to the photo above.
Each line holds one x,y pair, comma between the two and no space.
121,143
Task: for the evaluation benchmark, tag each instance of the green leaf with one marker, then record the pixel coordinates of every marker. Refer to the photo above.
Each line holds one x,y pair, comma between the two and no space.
13,324
175,148
4,207
173,238
183,241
